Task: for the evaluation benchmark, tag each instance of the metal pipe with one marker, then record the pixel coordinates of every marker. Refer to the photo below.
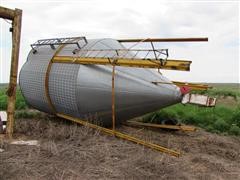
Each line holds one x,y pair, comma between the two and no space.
164,40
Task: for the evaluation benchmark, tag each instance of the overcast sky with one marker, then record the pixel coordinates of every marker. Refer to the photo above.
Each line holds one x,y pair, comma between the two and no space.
213,61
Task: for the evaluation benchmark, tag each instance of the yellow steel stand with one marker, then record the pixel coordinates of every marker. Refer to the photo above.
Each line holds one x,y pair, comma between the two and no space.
106,130
181,65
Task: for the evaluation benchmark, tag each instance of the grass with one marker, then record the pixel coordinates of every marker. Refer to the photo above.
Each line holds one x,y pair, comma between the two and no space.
28,114
20,102
220,119
222,92
23,110
224,118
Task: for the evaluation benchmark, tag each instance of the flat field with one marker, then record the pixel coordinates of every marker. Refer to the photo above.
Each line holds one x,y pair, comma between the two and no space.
70,151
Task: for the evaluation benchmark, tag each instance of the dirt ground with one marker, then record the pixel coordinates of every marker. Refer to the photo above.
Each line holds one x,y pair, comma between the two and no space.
69,151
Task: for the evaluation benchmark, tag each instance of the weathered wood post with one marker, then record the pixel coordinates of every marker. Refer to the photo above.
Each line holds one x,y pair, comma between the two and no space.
16,17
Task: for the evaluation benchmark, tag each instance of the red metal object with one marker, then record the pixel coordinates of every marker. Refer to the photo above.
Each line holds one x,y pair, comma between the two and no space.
185,89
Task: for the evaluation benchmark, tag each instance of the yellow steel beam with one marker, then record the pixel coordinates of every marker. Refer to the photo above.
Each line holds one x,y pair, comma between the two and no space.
181,65
193,86
164,40
163,126
121,135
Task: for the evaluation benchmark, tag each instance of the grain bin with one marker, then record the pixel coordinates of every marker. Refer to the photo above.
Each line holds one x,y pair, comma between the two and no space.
84,91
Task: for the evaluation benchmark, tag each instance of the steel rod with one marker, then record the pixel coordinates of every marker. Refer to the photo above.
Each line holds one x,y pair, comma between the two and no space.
165,40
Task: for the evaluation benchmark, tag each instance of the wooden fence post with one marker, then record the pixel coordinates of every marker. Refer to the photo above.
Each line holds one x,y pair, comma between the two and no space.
16,17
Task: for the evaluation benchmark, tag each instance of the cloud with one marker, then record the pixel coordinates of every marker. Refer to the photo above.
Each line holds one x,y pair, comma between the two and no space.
213,61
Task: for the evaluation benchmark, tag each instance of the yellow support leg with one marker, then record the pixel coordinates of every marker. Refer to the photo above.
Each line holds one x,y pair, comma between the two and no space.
163,126
192,86
121,135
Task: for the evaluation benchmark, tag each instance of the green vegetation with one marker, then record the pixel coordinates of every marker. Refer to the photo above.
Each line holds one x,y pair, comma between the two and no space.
23,111
224,118
27,114
218,119
222,92
20,102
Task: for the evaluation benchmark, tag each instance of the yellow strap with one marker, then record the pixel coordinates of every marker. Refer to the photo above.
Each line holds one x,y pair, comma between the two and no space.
47,77
113,99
